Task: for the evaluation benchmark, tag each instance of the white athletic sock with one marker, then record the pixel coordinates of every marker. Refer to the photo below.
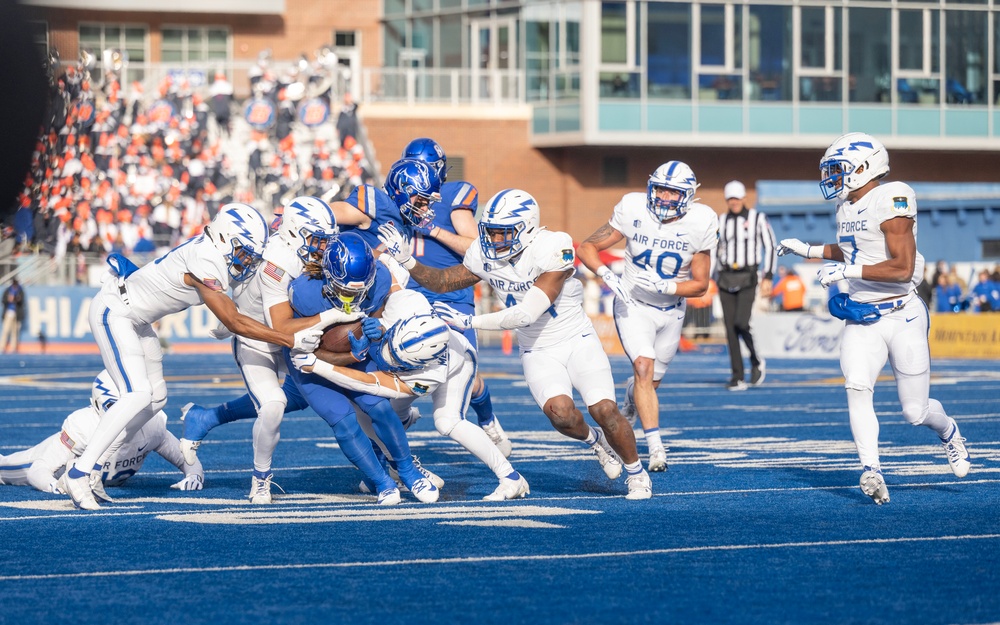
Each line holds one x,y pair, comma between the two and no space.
864,425
266,434
653,439
479,444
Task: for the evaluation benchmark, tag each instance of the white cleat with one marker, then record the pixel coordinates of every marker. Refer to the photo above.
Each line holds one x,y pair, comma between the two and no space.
658,460
628,404
424,491
260,489
873,485
79,492
434,478
189,449
499,437
509,489
958,455
412,416
97,487
389,497
639,486
606,456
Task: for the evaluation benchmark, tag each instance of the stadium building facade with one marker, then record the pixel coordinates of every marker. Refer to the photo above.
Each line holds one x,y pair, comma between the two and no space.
577,101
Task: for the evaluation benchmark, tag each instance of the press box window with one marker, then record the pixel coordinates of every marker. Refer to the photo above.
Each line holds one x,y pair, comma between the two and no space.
614,171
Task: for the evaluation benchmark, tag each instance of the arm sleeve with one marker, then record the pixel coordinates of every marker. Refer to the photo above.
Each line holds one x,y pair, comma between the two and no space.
54,457
534,304
329,372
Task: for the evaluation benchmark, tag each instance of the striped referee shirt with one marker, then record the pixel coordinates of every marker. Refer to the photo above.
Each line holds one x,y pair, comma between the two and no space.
746,241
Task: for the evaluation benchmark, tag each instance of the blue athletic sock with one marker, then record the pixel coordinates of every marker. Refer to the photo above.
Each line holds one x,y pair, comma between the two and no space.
75,473
390,431
514,475
483,405
261,475
230,411
358,449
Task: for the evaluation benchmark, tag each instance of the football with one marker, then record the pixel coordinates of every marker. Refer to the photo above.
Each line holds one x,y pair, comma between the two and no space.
335,337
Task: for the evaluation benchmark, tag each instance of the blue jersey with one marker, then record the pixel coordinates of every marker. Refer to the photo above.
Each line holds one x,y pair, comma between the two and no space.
305,294
454,196
379,207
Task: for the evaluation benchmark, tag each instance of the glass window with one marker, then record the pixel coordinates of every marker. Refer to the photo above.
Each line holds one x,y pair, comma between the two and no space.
911,39
770,49
813,40
713,35
131,40
869,59
395,38
394,6
619,85
820,88
668,61
573,36
423,5
451,41
344,38
965,57
193,44
423,39
614,33
450,4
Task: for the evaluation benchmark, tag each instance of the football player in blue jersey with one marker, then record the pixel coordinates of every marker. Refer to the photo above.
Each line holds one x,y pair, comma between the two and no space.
441,244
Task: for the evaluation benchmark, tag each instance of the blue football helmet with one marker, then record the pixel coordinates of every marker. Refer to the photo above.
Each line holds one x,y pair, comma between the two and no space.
240,233
428,151
675,176
413,187
509,223
348,271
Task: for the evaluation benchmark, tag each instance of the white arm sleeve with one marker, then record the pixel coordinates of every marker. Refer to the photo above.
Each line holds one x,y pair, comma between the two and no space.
328,371
170,449
53,457
534,304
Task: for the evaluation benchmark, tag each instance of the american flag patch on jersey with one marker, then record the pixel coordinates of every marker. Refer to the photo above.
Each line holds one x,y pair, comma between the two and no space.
213,284
273,271
66,440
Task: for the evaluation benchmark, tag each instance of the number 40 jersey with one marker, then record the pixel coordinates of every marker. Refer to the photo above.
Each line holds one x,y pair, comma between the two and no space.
661,251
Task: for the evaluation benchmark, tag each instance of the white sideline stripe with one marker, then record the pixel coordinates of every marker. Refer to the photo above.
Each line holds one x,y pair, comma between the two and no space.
479,559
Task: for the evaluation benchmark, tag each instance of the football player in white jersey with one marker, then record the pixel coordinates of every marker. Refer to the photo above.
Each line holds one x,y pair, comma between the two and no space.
532,270
306,228
200,270
876,252
668,256
420,355
42,466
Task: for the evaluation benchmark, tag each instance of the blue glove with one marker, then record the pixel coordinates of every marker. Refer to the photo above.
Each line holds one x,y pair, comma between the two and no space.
843,307
359,347
376,355
424,231
373,328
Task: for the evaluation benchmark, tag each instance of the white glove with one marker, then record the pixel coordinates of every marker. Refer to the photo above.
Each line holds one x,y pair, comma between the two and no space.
220,333
301,361
307,340
195,481
58,487
663,287
459,321
333,316
799,248
830,273
615,284
395,245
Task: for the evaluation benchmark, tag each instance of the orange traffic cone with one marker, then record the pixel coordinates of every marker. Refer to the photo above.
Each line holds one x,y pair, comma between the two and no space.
507,342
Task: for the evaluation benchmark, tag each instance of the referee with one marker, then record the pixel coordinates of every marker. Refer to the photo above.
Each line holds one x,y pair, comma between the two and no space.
746,248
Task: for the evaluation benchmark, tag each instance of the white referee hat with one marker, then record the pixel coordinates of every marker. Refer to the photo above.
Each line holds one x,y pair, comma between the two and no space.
735,189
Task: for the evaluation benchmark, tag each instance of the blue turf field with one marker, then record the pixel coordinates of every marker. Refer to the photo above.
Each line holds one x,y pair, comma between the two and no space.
759,519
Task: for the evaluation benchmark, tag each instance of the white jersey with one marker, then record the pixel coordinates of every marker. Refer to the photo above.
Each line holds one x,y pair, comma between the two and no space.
661,251
268,287
862,241
549,251
158,288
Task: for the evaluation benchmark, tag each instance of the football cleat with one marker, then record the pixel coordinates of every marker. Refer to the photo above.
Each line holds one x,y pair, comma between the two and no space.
509,489
628,404
658,460
412,416
434,479
260,488
758,373
639,486
873,485
97,487
79,492
736,385
958,455
606,456
424,491
499,437
389,497
193,431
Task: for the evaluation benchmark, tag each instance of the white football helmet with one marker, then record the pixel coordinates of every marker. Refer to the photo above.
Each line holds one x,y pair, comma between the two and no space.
851,162
307,225
416,342
104,392
512,215
240,233
676,176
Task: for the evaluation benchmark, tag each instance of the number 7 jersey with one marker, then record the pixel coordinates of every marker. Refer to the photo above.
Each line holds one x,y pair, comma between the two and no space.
661,251
549,251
